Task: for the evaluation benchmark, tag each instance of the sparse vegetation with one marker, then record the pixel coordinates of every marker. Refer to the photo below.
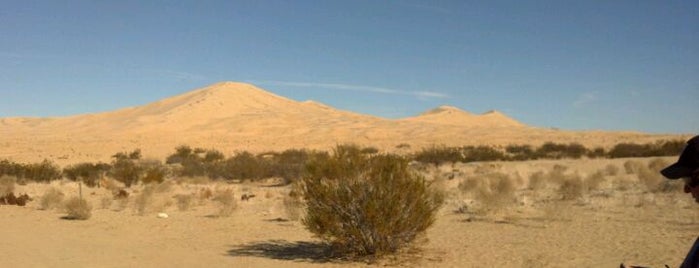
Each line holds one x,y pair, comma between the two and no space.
572,187
184,201
493,191
367,205
51,199
144,200
227,203
78,209
7,185
88,173
439,155
45,171
659,148
293,205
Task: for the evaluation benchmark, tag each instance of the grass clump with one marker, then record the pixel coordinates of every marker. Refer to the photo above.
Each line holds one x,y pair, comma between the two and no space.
7,185
493,191
226,201
293,205
184,201
144,200
51,199
78,209
367,205
572,187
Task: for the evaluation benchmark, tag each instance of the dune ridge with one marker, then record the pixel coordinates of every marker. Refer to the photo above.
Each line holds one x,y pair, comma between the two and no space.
232,116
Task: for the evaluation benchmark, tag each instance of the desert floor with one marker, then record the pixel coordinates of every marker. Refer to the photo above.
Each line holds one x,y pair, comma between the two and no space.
619,221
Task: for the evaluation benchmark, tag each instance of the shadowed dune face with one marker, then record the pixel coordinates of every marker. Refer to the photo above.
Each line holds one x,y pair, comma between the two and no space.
233,116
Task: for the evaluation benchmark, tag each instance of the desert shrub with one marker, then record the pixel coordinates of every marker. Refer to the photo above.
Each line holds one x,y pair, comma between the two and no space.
191,163
125,167
658,148
88,173
153,198
45,171
572,187
7,185
144,200
560,150
438,155
480,153
78,209
243,166
106,202
163,187
633,166
369,150
110,184
51,199
652,180
657,164
197,162
154,172
227,203
205,194
629,150
520,152
181,153
611,170
184,201
290,164
367,205
597,152
211,156
493,191
293,205
594,180
538,180
403,146
671,147
10,168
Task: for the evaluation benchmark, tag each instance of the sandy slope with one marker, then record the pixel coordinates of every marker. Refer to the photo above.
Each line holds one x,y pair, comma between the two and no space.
602,229
233,116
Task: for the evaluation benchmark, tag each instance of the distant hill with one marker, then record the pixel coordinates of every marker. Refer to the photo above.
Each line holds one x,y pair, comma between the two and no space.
454,116
231,116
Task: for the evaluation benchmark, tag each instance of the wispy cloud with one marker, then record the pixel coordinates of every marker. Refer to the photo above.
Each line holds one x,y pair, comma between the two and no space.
584,99
382,90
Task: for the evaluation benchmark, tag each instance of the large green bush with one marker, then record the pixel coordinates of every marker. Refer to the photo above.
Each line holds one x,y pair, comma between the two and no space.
367,205
126,169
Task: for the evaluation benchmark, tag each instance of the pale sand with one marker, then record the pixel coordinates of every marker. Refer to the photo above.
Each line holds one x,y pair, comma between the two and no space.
231,116
603,229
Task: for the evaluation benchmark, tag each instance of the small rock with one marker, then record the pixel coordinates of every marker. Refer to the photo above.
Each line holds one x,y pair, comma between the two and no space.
162,215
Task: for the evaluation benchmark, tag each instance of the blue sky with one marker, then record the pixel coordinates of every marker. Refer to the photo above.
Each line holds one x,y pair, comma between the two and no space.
578,65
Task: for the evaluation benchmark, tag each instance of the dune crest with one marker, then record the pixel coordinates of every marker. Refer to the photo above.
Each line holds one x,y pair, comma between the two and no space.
232,116
454,116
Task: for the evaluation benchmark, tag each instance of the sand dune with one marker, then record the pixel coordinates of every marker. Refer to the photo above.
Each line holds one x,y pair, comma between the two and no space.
232,116
450,115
